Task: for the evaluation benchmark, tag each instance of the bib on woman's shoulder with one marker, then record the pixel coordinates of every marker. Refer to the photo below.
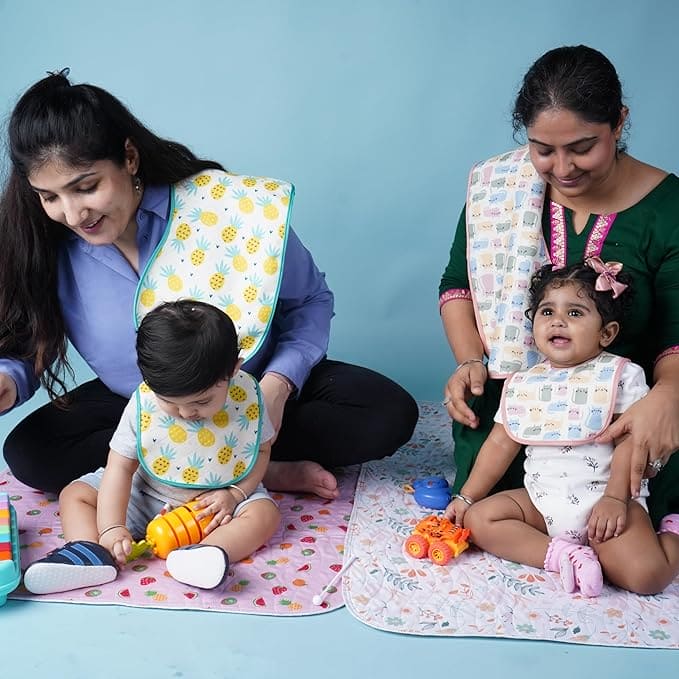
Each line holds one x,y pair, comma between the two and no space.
561,406
505,246
224,245
206,453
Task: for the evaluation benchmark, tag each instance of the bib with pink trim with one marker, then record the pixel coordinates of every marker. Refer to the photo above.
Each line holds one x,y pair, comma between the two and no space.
224,244
203,453
561,406
505,246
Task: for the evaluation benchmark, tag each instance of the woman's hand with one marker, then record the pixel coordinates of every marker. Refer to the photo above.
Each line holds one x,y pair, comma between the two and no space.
219,504
653,428
8,392
468,380
607,520
118,541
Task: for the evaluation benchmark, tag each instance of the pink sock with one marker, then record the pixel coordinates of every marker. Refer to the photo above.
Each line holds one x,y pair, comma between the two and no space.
577,565
670,524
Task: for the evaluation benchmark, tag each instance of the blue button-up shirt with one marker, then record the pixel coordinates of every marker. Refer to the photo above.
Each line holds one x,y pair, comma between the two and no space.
97,286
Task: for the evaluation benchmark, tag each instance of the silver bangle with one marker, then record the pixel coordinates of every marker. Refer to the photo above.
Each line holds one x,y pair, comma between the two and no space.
467,500
115,525
470,360
240,490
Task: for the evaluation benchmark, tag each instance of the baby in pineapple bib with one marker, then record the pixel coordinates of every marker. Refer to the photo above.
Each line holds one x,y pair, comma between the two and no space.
195,430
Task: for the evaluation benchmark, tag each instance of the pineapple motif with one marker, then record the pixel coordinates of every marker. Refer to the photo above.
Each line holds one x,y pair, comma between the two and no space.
148,294
252,243
202,180
239,262
147,410
173,281
264,313
219,189
182,233
245,203
230,309
204,216
198,254
230,231
178,207
144,388
271,185
250,415
205,436
196,293
239,469
191,474
248,341
226,451
176,432
221,419
250,182
285,198
237,393
281,231
271,260
250,292
218,277
161,464
269,209
214,480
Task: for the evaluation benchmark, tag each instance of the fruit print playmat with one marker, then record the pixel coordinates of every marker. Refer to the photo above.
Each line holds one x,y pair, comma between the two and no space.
280,579
476,594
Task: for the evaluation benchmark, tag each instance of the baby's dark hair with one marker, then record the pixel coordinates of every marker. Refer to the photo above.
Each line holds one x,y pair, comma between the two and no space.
609,308
186,347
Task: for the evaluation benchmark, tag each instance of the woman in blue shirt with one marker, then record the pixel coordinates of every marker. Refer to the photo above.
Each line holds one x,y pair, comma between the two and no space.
86,203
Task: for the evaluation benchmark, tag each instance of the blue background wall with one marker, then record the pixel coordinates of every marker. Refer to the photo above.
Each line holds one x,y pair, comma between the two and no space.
375,109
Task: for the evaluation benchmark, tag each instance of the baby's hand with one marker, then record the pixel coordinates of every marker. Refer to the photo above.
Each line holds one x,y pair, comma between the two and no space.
118,541
219,504
456,510
607,520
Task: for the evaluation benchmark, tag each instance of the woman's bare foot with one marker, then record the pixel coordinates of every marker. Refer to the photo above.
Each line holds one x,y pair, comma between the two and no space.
301,476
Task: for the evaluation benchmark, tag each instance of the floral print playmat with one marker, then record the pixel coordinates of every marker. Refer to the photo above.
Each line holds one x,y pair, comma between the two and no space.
476,594
281,578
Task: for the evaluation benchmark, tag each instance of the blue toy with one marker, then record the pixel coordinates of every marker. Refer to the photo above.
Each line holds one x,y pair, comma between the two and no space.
10,571
432,492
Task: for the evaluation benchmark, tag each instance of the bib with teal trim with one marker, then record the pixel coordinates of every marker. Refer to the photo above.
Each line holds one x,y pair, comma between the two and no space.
205,453
561,406
505,246
224,244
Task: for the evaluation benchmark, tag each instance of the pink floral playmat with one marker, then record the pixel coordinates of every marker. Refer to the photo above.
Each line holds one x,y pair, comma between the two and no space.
476,594
281,578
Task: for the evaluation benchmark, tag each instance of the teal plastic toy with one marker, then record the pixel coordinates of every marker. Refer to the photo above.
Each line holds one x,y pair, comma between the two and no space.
10,561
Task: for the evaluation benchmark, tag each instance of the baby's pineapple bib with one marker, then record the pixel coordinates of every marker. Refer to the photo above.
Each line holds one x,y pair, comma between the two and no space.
224,244
561,406
205,453
505,246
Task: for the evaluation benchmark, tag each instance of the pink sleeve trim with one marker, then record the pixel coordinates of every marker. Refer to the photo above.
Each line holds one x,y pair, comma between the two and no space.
668,352
458,293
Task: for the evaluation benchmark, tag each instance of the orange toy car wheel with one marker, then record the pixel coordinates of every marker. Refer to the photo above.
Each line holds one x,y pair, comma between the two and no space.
417,546
440,553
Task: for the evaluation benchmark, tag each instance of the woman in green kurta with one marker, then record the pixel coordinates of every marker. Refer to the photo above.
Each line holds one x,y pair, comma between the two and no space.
570,105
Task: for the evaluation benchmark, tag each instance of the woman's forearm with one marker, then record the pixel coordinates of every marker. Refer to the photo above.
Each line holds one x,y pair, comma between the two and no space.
459,323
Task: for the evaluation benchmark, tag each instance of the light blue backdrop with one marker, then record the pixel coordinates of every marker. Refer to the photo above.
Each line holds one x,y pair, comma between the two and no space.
374,109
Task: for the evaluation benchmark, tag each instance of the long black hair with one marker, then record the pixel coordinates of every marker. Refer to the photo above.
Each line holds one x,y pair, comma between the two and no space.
76,125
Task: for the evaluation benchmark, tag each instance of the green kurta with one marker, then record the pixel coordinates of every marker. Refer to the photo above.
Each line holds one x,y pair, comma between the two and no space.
645,238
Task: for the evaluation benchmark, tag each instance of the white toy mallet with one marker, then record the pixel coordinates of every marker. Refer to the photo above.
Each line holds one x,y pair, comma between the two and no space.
320,598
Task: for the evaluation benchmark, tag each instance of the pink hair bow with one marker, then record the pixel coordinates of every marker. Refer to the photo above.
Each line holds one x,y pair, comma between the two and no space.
606,280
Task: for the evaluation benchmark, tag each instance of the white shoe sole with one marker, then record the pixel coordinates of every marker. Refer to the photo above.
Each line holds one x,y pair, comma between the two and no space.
204,566
50,578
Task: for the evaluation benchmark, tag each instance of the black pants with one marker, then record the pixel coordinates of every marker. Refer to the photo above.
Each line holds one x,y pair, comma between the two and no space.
344,414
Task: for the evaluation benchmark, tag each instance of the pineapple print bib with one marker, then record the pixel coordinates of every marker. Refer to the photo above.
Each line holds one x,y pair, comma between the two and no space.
205,453
224,244
505,246
561,406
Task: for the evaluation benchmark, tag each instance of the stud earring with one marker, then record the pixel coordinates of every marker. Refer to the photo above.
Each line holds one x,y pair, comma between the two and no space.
136,182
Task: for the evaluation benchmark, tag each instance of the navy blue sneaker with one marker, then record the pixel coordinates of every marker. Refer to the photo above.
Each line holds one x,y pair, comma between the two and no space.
204,566
77,564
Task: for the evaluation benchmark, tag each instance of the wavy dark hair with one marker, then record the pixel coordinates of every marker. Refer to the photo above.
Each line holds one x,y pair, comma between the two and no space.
76,125
185,347
578,79
609,308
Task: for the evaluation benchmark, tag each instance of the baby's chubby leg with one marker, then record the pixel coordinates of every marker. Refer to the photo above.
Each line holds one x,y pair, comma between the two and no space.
78,511
206,565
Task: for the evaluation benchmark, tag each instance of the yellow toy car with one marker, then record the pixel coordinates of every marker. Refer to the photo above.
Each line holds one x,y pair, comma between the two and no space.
438,538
